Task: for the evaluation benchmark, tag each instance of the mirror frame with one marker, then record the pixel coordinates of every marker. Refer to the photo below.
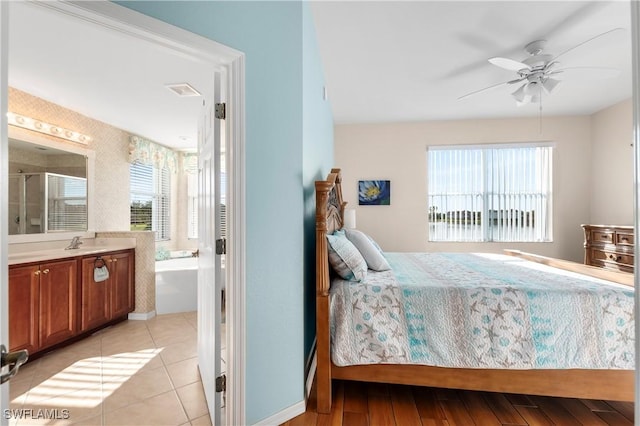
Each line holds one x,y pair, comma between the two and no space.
73,148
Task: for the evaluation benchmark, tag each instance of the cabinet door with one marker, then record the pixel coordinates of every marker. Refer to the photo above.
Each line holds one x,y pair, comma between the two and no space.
58,301
122,299
95,295
23,308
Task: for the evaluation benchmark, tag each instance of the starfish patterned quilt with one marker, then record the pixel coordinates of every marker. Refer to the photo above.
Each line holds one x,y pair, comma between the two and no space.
466,310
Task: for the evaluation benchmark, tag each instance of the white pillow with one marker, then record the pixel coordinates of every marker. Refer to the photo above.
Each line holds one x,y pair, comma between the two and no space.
369,250
345,258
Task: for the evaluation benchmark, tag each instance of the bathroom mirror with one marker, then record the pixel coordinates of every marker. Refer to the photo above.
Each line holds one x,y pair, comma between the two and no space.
49,186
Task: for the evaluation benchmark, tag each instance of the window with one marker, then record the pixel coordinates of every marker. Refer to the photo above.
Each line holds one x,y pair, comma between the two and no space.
192,203
490,193
150,196
192,198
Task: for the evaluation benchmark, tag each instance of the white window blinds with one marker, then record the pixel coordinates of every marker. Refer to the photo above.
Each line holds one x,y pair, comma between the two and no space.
150,200
490,193
191,170
67,203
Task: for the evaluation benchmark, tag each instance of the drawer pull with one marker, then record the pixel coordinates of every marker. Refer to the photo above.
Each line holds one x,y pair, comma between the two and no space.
615,258
625,239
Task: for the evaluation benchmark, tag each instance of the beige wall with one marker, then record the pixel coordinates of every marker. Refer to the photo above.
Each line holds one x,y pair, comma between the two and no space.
397,152
612,165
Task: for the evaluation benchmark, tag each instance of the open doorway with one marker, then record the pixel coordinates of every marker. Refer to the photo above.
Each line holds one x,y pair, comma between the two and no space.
208,54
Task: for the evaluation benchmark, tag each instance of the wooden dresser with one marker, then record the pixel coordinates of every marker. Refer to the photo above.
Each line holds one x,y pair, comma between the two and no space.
609,247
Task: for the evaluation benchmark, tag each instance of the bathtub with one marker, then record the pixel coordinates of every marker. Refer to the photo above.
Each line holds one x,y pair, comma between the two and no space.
176,285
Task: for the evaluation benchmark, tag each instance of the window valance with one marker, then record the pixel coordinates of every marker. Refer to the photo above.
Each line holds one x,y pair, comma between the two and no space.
190,162
147,152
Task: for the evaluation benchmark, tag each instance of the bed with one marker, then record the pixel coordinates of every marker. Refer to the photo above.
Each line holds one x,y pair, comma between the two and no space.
598,373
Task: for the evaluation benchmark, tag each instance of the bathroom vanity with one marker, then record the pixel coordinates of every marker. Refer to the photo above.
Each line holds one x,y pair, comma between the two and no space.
54,297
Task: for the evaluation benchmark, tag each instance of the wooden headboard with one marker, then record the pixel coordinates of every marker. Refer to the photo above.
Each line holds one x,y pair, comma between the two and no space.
329,217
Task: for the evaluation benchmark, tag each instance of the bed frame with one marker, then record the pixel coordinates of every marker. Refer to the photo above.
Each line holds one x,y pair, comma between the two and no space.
616,385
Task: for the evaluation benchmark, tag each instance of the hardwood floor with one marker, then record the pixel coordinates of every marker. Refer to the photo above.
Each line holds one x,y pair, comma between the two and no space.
373,404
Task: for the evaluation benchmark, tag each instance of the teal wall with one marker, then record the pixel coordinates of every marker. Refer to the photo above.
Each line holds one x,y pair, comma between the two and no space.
286,148
317,161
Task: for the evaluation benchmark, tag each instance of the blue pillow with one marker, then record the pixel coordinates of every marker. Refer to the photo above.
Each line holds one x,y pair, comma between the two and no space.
345,258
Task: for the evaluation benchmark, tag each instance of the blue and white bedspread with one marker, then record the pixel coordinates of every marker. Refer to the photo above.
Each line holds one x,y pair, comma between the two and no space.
467,310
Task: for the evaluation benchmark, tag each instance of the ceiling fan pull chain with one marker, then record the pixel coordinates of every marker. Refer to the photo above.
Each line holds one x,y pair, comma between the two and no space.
540,114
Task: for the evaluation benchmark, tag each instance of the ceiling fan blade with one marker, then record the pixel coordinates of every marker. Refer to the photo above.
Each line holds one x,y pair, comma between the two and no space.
614,31
508,64
483,89
587,73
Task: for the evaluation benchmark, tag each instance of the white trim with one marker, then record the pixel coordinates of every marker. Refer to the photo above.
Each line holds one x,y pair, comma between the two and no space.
311,374
137,316
500,145
284,415
231,61
635,97
236,250
4,196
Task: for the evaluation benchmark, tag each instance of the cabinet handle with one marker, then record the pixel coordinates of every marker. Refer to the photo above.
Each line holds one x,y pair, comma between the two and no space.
46,271
115,260
36,273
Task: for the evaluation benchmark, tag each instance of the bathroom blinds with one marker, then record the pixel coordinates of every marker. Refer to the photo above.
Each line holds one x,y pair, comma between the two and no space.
150,200
66,202
490,192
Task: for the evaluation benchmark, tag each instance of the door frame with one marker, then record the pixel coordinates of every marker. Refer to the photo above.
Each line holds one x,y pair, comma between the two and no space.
4,196
220,58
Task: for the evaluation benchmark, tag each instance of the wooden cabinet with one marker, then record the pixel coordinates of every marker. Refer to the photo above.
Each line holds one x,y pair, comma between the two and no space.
609,247
107,300
24,303
55,301
43,304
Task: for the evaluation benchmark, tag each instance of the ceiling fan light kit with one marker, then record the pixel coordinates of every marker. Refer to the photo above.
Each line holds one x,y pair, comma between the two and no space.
535,72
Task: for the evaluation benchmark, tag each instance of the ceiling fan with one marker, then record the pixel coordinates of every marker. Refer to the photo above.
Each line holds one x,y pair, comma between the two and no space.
542,72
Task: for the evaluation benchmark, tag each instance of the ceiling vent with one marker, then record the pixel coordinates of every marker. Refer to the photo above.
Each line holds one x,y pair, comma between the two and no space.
183,89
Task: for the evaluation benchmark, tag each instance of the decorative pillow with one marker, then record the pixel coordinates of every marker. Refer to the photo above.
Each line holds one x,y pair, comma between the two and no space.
345,258
369,250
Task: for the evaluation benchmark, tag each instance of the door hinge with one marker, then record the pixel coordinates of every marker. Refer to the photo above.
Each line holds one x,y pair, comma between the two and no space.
221,246
221,111
221,383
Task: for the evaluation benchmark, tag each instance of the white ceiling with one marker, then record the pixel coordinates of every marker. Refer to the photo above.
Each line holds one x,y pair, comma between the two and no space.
407,61
383,61
104,74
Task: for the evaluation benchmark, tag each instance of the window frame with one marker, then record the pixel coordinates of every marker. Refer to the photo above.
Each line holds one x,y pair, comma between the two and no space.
159,196
488,233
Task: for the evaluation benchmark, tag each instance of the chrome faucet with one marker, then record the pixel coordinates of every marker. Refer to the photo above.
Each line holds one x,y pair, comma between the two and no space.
75,242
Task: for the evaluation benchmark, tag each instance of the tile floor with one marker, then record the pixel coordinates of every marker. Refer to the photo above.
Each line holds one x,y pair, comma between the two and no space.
133,373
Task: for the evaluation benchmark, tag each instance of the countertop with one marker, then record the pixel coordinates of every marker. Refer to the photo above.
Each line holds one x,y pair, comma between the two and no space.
39,252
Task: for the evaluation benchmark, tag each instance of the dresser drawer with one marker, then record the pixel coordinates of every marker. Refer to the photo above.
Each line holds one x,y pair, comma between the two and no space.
598,236
609,256
624,239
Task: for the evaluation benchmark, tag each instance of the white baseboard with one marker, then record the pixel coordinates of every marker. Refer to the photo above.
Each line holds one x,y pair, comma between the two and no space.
141,316
311,373
284,415
300,407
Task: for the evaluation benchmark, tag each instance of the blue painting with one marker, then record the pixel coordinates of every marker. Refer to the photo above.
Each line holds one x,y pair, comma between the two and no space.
374,192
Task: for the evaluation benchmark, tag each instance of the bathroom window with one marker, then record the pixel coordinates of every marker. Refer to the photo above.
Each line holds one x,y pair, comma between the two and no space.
150,200
192,203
